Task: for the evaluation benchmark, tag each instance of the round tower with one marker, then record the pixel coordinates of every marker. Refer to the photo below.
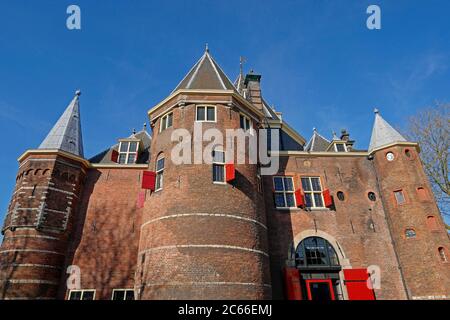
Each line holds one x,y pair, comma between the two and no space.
420,239
39,220
204,233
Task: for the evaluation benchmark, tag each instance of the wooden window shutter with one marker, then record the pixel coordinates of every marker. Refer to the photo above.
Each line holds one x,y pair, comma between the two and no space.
356,283
327,199
299,198
114,156
292,284
230,172
148,180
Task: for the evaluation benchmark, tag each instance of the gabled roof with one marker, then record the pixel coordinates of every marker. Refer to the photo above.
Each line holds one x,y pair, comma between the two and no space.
317,142
206,74
383,133
66,133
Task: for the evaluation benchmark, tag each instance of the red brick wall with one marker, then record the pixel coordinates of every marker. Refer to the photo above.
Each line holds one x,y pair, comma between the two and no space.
349,224
425,274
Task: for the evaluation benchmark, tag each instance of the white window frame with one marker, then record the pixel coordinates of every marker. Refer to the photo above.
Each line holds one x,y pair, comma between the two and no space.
125,295
284,192
159,172
250,123
341,143
128,152
206,113
219,163
166,116
82,293
403,195
312,192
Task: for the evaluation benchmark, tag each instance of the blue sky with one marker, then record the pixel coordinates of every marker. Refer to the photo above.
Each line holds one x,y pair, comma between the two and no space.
320,65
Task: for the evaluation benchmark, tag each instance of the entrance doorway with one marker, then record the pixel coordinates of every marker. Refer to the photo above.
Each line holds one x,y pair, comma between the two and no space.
321,290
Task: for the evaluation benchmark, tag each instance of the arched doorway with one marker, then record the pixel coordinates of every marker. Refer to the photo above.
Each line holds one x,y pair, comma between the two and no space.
319,268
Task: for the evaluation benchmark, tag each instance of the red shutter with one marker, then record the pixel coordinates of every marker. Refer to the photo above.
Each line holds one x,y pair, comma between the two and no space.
114,156
299,198
230,172
356,283
140,200
328,200
148,180
292,284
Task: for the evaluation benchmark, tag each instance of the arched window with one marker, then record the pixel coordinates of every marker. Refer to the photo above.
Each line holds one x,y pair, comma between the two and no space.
432,223
443,254
316,252
159,172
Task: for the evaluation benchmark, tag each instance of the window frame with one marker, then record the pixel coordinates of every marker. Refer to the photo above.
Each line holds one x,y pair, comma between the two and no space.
166,126
219,163
128,152
402,191
284,192
250,123
410,237
443,257
159,172
206,113
329,255
125,294
340,143
82,293
312,192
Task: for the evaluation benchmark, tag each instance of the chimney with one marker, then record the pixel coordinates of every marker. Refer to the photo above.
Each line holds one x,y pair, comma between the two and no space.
253,84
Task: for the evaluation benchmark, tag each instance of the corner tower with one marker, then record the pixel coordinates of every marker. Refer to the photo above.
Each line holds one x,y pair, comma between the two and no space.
420,239
38,223
204,231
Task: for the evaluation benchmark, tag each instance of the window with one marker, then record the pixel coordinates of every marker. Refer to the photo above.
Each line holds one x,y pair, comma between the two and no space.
166,121
284,192
245,123
399,197
128,152
340,147
218,160
206,114
123,294
313,192
159,172
340,195
432,223
443,254
408,154
81,294
390,156
316,252
410,233
372,196
422,194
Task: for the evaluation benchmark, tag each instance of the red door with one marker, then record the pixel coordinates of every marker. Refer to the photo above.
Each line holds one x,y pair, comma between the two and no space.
320,289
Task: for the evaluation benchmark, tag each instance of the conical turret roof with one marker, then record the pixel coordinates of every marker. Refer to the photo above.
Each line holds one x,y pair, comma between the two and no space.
66,133
383,133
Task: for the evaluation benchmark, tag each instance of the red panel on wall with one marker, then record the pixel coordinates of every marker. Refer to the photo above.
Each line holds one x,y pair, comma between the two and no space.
148,180
230,172
299,198
114,156
356,283
292,284
328,200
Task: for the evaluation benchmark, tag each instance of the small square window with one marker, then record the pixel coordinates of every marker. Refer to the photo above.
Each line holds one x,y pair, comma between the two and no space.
200,113
211,114
124,147
340,147
166,121
399,197
207,114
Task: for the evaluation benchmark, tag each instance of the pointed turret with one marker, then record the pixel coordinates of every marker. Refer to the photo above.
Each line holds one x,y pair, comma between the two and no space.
206,74
383,133
66,133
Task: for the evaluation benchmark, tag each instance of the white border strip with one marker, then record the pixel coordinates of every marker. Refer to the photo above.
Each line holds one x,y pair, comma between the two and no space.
208,284
202,246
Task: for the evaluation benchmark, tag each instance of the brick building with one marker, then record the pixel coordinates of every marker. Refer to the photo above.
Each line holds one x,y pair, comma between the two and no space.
132,223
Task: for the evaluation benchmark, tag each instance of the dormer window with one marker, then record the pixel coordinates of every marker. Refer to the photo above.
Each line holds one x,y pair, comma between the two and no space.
166,121
245,122
128,152
340,147
206,114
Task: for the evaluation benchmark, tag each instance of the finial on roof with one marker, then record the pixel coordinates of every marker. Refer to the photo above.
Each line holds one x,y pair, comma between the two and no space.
145,126
78,93
335,136
314,129
134,131
376,111
206,48
241,64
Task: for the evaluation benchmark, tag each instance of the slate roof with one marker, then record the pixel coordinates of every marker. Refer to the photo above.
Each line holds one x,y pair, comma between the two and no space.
383,133
104,157
66,133
206,74
317,143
